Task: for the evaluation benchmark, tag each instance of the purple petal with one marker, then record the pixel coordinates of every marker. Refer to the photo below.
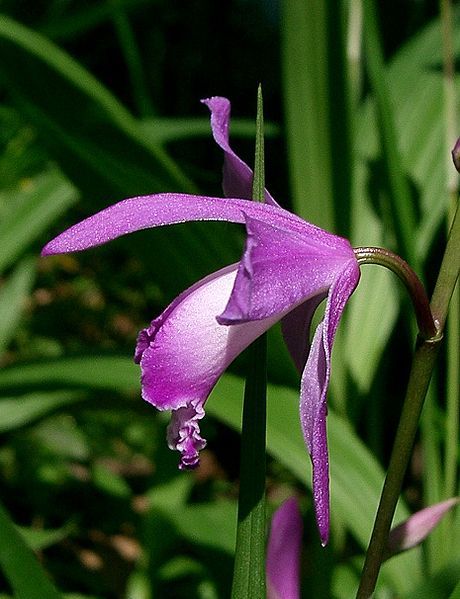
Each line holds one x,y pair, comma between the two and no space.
237,176
417,527
283,552
163,209
185,350
314,385
279,270
295,327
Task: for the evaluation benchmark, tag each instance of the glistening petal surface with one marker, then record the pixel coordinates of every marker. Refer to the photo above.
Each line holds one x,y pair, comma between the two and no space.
237,176
185,350
162,209
313,390
279,270
283,552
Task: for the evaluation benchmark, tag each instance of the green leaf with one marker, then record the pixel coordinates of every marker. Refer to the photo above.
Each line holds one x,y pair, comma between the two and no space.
81,18
110,482
199,523
249,568
30,209
61,436
317,112
419,128
20,411
38,539
401,207
31,50
373,308
96,372
456,592
102,149
163,130
439,584
20,566
12,298
356,476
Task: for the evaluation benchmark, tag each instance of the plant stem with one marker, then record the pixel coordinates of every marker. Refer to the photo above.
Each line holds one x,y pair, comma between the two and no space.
375,255
249,569
422,367
419,378
448,273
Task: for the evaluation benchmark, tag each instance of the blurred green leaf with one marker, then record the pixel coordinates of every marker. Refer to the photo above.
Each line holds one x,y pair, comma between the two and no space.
13,294
101,148
110,482
38,539
344,582
19,411
315,92
29,49
164,130
373,308
415,86
400,206
61,435
171,495
456,592
81,18
199,522
96,372
30,209
439,584
356,476
20,566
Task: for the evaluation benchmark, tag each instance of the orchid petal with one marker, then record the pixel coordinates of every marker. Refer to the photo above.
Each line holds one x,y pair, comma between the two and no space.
295,327
313,390
417,527
283,552
143,212
279,270
185,350
237,176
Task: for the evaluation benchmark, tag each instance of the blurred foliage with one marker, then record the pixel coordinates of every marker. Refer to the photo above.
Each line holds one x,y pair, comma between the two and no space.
99,100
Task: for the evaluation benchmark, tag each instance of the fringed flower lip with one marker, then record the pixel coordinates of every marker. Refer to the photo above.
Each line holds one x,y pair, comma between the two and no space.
288,267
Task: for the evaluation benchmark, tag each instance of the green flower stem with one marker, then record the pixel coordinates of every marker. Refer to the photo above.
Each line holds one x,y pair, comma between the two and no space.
448,273
249,569
419,378
445,539
373,255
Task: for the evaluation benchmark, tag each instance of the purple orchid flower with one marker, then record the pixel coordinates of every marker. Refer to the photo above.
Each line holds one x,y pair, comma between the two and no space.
288,267
283,552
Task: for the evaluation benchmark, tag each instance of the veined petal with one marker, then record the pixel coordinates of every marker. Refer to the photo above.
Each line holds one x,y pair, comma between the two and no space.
162,209
185,350
237,176
279,270
314,385
283,552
